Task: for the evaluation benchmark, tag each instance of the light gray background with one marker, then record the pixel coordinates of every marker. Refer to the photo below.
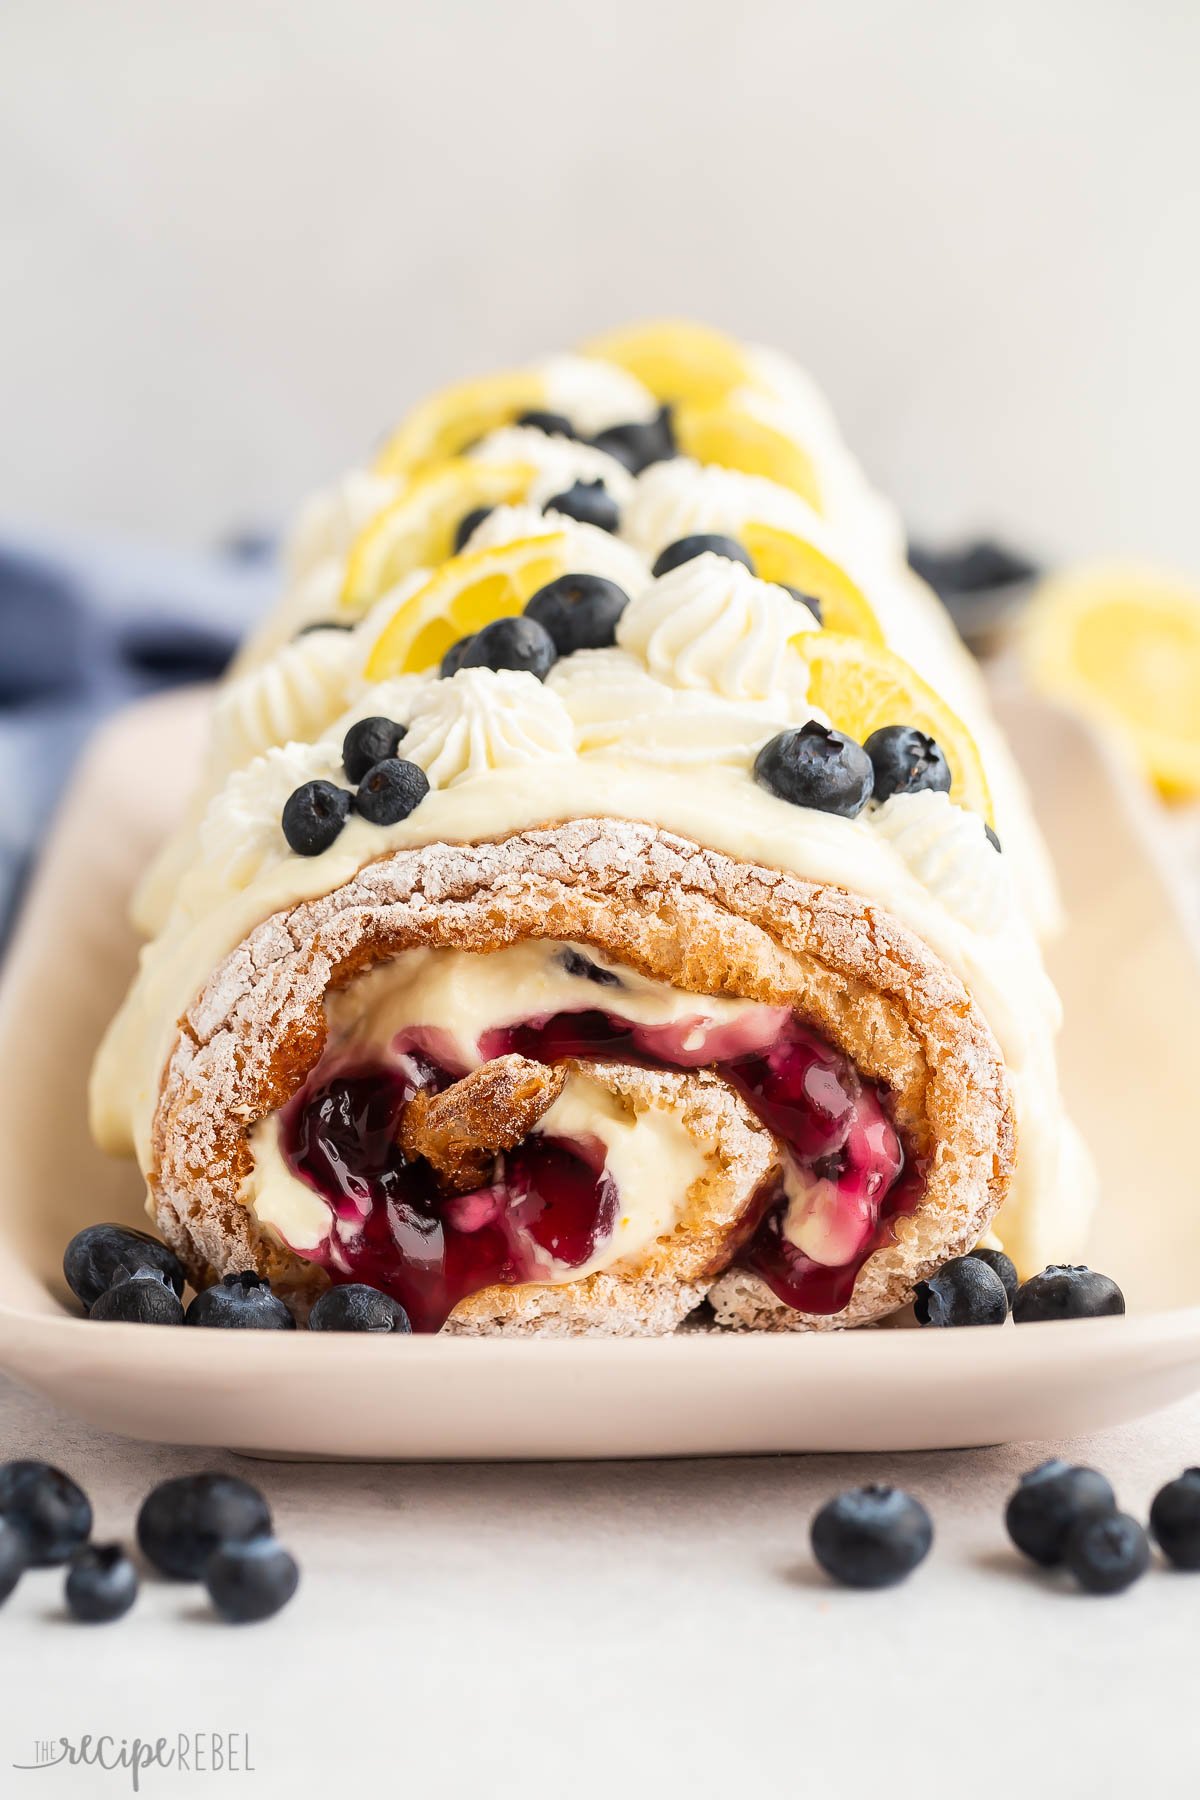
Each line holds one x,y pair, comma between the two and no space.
236,238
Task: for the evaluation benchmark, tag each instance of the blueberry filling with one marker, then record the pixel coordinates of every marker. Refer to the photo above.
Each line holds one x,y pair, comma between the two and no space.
549,1205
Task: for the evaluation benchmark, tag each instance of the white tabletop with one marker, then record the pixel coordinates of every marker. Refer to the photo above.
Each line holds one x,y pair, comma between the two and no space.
572,1630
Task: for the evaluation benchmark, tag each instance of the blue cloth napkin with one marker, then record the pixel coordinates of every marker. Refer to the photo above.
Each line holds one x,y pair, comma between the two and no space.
88,626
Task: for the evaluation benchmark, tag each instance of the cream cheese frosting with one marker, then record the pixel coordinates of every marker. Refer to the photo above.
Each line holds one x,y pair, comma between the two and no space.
479,721
559,462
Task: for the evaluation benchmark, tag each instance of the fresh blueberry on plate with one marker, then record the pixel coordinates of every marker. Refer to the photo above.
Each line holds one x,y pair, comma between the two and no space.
353,1306
963,1292
368,742
251,1581
871,1537
183,1521
99,1252
313,817
390,791
242,1302
101,1584
144,1297
1048,1501
818,767
49,1510
581,612
520,644
906,761
701,543
1066,1292
589,502
1107,1554
1175,1520
1004,1267
14,1557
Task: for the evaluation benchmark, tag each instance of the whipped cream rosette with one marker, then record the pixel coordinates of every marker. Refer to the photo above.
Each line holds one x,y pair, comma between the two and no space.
544,947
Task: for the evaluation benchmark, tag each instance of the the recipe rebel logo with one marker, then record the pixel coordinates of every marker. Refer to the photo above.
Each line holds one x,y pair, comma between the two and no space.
188,1753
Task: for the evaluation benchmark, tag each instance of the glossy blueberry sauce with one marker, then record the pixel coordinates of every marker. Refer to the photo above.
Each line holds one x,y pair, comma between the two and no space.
550,1203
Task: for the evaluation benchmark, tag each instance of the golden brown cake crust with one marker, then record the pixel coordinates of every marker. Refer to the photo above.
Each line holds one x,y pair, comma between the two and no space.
678,913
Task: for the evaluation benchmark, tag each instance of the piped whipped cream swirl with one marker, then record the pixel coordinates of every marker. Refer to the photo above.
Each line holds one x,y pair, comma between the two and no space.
482,720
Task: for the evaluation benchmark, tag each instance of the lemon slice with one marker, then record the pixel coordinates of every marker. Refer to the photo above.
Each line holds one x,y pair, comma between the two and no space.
736,439
783,557
677,360
862,687
466,593
417,530
451,420
1121,643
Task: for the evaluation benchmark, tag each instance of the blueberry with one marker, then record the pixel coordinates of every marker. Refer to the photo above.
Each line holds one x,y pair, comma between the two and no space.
580,612
50,1511
992,839
815,766
98,1252
102,1583
14,1557
313,816
248,1582
552,423
511,644
588,501
975,568
243,1302
963,1292
584,969
1062,1292
872,1536
357,1307
905,761
390,791
324,625
467,524
1108,1554
143,1298
1004,1267
1175,1520
701,543
368,743
639,444
184,1520
1048,1501
452,662
809,600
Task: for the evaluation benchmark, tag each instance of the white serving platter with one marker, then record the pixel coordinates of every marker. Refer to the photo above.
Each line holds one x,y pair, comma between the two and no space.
1129,976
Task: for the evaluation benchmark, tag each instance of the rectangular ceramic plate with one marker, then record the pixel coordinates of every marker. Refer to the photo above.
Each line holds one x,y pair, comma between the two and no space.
1131,983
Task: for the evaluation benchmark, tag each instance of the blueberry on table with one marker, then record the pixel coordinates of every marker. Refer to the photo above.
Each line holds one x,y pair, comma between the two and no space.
639,443
1107,1554
906,761
701,543
552,423
468,524
14,1557
243,1302
963,1292
101,1584
251,1581
871,1537
1049,1501
520,644
1004,1267
369,742
589,502
50,1511
99,1252
1175,1520
313,817
391,790
144,1297
580,612
817,767
183,1521
1063,1292
353,1306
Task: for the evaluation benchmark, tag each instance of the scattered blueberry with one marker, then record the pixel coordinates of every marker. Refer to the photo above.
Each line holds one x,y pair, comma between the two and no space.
467,524
368,743
815,766
963,1292
1062,1292
1048,1501
871,1537
972,569
102,1583
357,1307
511,644
1004,1267
701,543
579,611
905,761
390,791
992,839
251,1581
144,1298
552,423
50,1511
637,445
14,1557
324,625
1175,1520
588,501
243,1302
1107,1554
98,1252
313,816
452,662
584,969
184,1520
809,600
